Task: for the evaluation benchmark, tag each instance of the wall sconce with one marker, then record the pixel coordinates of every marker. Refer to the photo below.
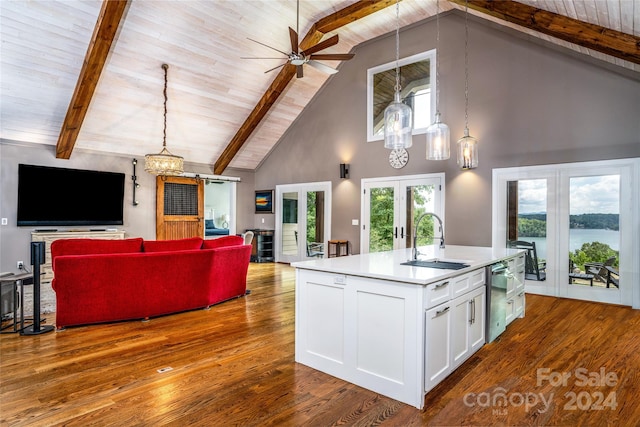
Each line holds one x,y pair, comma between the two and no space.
344,170
135,182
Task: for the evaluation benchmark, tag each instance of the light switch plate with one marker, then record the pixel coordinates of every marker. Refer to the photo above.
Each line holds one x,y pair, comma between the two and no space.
354,222
5,221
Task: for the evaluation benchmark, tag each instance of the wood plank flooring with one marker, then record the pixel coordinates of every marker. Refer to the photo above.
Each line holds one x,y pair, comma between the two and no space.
233,365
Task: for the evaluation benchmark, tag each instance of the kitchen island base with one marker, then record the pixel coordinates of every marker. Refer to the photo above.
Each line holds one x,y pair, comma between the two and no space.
399,337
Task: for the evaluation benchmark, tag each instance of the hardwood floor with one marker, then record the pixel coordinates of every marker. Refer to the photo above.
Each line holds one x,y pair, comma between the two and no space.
233,365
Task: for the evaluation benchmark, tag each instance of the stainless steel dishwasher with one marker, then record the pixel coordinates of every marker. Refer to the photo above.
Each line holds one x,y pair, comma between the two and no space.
497,276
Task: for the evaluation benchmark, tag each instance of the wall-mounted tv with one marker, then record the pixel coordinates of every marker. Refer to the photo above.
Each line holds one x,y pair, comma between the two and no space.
57,196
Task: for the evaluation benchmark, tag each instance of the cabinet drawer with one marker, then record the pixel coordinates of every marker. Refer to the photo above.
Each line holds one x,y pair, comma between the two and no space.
468,282
438,292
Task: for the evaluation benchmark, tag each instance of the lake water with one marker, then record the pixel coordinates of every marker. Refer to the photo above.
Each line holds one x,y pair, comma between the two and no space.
577,237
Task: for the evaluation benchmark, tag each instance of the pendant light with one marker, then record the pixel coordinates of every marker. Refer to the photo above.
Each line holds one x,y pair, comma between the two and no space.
398,117
467,145
438,133
164,163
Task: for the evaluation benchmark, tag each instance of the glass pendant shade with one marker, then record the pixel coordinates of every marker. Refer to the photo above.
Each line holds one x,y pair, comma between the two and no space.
398,125
163,163
467,151
438,140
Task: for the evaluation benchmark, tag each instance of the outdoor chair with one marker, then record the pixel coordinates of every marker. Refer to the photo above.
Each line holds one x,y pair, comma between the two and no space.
533,268
599,269
578,275
613,277
314,249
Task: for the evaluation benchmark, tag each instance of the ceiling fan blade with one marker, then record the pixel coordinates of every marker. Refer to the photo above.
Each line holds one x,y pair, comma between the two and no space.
256,57
275,68
266,45
333,56
322,45
299,72
324,68
294,40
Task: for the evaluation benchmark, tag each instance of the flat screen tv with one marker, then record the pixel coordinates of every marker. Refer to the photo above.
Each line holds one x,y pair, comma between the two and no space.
57,196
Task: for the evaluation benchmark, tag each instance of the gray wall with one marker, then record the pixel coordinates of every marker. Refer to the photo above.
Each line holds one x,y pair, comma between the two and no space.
138,220
528,104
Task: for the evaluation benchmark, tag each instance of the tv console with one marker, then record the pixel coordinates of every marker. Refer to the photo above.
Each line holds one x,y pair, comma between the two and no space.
49,236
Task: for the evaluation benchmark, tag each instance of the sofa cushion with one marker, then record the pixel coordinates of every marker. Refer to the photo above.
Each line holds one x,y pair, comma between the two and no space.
208,223
223,241
63,247
172,245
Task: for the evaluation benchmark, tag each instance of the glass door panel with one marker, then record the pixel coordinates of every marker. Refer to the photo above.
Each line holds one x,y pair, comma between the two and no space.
289,230
528,228
419,199
382,213
594,232
314,244
303,225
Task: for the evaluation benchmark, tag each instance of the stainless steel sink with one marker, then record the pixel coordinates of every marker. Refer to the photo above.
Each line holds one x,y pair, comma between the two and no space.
443,264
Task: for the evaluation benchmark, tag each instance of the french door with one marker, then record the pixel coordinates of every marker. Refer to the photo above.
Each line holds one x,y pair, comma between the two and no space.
581,217
303,221
390,208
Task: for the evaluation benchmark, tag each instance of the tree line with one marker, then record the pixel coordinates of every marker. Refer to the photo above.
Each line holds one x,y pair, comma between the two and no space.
535,225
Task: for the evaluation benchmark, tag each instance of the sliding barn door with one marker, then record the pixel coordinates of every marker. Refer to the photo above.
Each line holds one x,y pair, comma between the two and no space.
179,208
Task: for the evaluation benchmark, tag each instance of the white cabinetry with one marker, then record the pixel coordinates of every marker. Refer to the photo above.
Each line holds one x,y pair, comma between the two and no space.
362,330
455,329
468,325
49,237
437,344
515,288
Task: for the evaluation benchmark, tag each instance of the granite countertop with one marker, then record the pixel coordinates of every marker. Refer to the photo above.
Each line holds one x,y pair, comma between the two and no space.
388,265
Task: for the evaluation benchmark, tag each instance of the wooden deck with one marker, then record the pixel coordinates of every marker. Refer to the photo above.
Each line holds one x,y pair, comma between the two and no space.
233,365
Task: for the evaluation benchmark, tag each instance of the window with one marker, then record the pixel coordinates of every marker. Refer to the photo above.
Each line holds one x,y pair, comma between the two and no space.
417,85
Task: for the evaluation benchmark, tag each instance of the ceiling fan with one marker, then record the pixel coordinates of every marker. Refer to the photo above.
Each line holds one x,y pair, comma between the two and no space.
309,56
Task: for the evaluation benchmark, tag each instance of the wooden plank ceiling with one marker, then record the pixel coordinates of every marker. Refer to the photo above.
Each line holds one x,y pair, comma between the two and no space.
212,91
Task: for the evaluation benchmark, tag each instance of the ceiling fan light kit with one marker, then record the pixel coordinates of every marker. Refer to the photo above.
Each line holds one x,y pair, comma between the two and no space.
164,163
299,57
398,117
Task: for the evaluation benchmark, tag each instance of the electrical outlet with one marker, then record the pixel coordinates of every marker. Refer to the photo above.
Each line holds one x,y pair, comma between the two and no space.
20,265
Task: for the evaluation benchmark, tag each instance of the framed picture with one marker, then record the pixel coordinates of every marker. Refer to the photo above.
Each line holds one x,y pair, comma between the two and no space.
264,201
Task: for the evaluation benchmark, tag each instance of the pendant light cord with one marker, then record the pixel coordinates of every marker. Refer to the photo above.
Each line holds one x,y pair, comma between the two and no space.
164,138
398,87
437,59
466,65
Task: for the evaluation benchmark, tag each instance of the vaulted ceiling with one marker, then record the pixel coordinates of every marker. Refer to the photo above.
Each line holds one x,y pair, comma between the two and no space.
213,94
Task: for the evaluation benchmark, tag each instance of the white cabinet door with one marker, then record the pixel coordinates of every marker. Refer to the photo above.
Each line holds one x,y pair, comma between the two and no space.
468,325
437,344
460,329
515,288
477,320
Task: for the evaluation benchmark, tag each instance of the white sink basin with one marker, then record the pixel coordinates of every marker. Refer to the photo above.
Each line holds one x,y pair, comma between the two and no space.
440,263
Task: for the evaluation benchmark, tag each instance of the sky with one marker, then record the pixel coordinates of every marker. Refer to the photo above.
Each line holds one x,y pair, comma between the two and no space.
591,194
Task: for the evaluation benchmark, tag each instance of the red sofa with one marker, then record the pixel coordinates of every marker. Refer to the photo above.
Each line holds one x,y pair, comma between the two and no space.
99,281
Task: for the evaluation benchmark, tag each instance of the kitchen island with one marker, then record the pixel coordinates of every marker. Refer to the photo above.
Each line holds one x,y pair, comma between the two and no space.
394,329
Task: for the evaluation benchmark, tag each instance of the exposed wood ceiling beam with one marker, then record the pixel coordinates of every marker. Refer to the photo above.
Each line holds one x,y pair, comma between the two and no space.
329,23
104,32
605,40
